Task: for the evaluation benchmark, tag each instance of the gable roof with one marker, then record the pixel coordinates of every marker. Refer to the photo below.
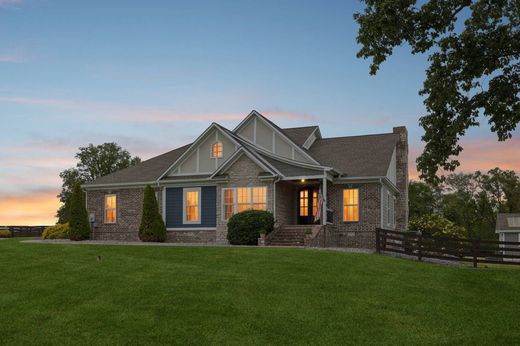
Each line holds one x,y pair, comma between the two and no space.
508,222
299,134
147,171
356,156
277,129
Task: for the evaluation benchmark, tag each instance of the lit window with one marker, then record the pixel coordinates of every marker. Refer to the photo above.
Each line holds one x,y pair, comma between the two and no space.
304,202
110,208
216,149
314,202
244,198
260,198
351,205
239,199
229,203
192,205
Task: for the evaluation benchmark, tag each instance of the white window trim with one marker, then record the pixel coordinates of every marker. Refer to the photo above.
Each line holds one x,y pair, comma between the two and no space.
343,206
105,209
235,199
211,150
388,210
191,189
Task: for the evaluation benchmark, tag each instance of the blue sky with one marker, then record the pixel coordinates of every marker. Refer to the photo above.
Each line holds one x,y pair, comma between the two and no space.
152,75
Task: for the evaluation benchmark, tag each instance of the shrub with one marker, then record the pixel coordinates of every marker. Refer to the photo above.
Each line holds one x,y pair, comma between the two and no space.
436,226
58,231
152,226
79,226
5,233
245,227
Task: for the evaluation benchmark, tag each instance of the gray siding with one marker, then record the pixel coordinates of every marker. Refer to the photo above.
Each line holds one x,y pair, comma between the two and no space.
208,212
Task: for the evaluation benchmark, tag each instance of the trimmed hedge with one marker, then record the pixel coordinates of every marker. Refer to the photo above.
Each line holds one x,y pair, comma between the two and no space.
245,227
152,226
58,231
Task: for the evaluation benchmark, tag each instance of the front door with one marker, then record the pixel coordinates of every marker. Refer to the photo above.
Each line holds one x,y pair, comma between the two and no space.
307,203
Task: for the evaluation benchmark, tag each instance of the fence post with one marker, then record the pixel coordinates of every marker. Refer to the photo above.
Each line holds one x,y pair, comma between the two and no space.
419,245
476,246
378,245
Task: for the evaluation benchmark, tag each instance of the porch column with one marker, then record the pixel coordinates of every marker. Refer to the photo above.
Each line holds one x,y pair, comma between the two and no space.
324,206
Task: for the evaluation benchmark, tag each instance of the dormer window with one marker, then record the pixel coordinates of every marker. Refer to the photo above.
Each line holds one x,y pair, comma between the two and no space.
216,150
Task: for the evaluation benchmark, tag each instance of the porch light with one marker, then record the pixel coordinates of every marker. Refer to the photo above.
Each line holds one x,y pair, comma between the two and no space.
302,180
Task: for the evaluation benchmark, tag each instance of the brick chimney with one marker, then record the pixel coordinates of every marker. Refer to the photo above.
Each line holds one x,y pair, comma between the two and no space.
402,178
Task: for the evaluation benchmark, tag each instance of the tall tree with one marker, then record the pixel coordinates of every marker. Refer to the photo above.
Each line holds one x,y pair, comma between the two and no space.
94,161
473,47
79,225
423,199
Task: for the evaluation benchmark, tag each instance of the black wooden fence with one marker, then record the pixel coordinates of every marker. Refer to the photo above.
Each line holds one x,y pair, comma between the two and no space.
448,248
24,231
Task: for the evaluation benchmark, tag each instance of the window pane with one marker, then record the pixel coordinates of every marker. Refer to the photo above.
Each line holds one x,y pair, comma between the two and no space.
259,194
216,149
228,211
242,207
110,215
229,196
260,206
314,202
192,206
110,201
244,195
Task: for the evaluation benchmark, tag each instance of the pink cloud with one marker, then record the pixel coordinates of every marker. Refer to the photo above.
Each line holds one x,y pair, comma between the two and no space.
7,3
480,154
118,112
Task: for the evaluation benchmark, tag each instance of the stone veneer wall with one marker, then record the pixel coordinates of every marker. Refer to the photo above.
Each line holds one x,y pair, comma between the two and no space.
242,173
354,234
401,203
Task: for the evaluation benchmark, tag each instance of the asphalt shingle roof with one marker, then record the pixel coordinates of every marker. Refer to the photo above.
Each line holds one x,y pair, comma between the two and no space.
508,222
356,156
149,170
299,134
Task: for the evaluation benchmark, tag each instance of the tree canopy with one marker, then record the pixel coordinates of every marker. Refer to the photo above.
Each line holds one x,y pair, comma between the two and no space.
94,161
473,48
469,200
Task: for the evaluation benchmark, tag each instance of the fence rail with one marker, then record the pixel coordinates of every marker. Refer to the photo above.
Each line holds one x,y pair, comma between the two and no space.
24,231
448,248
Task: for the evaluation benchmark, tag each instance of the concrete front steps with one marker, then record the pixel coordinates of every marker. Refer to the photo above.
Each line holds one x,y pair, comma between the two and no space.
289,235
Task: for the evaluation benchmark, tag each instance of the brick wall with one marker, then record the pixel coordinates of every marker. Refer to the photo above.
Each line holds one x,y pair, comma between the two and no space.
285,204
354,234
242,173
129,210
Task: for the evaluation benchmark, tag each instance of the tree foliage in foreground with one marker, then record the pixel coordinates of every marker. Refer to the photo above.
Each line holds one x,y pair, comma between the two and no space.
94,161
471,201
152,226
473,48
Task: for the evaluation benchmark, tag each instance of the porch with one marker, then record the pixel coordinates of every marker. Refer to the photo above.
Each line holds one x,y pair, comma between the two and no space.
297,202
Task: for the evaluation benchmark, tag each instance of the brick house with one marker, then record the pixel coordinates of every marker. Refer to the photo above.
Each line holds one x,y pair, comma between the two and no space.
362,181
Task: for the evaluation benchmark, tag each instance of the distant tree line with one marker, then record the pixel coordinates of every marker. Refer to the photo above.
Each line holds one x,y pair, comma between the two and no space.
469,200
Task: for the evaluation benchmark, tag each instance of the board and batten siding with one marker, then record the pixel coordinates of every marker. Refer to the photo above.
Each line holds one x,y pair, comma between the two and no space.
174,208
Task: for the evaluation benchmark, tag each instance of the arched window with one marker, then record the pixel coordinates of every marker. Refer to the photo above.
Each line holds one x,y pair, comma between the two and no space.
216,149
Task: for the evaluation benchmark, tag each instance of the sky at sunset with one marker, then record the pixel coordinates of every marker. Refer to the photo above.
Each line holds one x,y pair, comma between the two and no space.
152,75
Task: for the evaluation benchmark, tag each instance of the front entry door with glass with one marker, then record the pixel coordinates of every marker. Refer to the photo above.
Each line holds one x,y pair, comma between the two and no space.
307,204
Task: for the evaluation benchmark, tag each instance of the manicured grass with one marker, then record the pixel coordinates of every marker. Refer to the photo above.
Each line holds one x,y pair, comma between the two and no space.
61,294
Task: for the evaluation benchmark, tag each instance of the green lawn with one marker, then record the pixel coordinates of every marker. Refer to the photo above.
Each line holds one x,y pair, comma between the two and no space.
61,294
